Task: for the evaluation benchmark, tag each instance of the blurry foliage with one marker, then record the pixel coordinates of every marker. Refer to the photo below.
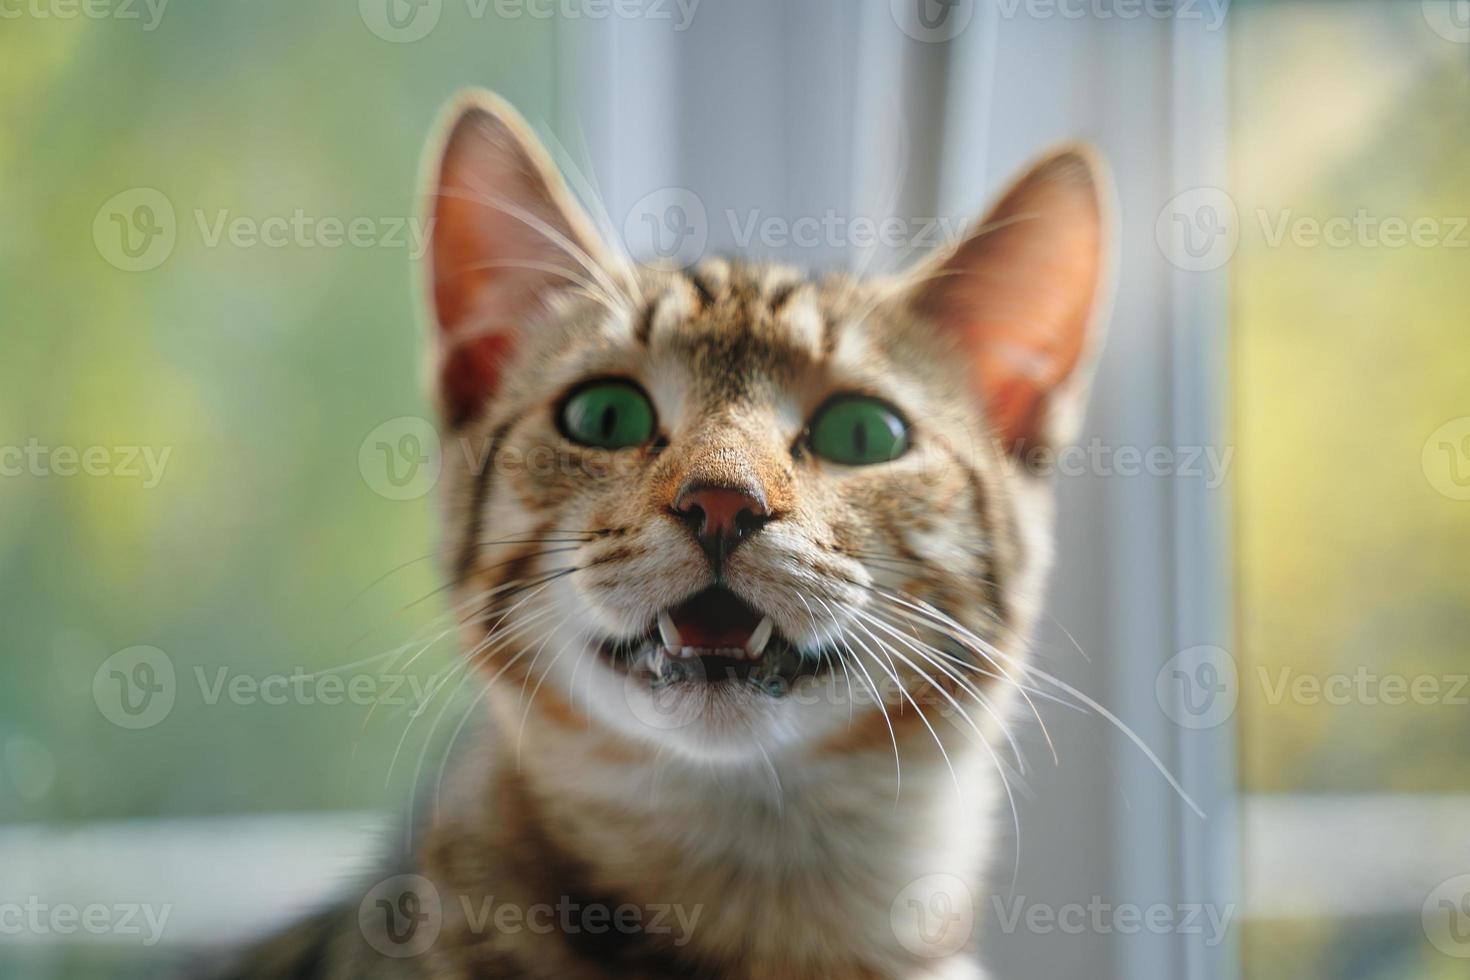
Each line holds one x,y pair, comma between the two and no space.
260,370
1346,360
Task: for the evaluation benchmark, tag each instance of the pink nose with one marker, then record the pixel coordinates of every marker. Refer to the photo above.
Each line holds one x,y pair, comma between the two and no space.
721,517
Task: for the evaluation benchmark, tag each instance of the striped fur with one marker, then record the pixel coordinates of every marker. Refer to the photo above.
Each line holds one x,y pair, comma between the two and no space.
786,835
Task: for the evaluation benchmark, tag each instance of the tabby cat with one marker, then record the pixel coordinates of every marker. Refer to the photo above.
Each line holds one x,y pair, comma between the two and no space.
745,563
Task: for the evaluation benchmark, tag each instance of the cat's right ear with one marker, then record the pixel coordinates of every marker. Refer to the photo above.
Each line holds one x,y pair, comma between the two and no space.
506,236
1024,297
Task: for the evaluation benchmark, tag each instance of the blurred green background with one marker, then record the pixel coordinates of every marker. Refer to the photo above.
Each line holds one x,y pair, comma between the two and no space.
1352,546
260,370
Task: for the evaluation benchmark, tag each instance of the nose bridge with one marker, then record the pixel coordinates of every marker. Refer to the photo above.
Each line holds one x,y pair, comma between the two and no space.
725,486
722,461
725,452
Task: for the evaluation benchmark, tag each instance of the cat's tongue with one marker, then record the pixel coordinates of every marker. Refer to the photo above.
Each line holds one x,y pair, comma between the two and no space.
715,619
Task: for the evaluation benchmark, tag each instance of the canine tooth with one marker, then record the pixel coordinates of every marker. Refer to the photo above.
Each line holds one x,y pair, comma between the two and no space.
668,631
756,645
656,660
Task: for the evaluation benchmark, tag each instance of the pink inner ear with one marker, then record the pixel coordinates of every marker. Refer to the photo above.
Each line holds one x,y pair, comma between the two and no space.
471,369
470,373
1019,295
506,236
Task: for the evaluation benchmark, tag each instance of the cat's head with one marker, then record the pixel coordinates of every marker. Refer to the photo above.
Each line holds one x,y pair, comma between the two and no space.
734,511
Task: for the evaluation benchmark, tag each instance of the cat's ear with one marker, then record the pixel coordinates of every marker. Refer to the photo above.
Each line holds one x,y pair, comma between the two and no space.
506,236
1021,295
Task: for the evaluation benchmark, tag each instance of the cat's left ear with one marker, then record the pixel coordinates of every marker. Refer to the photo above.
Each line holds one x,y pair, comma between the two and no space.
1022,296
506,238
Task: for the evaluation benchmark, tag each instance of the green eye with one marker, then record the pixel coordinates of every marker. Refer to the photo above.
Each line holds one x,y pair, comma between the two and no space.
857,431
608,414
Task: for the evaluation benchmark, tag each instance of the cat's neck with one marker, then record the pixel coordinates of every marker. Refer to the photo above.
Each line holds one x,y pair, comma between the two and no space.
786,861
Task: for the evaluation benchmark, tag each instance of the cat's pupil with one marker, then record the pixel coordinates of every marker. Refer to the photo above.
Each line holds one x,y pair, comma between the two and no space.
860,438
609,420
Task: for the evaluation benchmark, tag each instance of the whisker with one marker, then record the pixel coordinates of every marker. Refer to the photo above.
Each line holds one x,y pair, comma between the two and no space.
927,610
850,697
926,652
569,247
877,697
903,692
995,655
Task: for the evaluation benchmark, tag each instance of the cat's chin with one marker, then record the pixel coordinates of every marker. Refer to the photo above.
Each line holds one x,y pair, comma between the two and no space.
716,706
741,718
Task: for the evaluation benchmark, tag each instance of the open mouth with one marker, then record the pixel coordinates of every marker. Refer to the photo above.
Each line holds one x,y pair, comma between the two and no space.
715,636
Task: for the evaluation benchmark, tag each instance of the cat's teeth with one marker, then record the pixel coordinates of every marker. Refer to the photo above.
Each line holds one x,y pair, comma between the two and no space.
756,645
668,631
656,660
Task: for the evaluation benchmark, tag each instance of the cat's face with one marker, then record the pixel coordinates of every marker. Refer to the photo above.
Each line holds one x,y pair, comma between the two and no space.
733,512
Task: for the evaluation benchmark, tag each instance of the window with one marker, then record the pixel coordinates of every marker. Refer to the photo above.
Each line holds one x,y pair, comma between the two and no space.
1349,296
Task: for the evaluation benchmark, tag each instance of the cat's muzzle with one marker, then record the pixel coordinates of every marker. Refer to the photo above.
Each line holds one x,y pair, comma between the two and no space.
714,637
